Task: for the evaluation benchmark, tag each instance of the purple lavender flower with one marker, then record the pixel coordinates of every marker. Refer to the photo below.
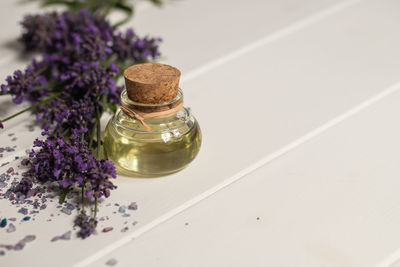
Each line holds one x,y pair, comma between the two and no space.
86,84
74,35
24,186
27,84
69,37
90,79
55,159
1,125
86,224
71,162
38,30
129,46
66,113
98,178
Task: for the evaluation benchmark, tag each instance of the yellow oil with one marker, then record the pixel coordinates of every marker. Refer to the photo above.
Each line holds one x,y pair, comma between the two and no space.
172,145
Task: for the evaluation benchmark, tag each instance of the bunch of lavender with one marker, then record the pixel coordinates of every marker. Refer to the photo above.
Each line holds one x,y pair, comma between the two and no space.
69,88
82,55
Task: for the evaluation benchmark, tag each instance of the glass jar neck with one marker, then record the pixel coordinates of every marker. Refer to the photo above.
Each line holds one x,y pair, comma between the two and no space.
158,110
145,112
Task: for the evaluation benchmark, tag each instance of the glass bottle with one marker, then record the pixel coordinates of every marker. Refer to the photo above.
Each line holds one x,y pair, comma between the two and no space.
171,144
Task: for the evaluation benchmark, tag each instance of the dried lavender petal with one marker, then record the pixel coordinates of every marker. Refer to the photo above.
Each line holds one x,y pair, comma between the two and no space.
66,211
107,229
133,206
23,211
20,244
11,228
3,223
65,236
111,262
29,238
122,209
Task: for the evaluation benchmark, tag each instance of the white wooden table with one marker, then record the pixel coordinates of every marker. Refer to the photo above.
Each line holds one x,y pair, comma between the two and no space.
298,103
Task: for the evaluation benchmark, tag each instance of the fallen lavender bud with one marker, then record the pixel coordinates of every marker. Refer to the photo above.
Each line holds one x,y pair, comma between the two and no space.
65,236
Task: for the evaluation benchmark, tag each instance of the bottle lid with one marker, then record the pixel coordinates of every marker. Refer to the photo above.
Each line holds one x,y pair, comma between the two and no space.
152,83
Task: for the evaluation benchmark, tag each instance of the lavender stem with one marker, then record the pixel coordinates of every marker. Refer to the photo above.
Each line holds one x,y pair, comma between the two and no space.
98,133
31,107
83,198
95,207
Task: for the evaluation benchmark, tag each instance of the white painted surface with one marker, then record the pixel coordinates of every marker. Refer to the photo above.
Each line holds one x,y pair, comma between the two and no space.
197,32
333,201
258,92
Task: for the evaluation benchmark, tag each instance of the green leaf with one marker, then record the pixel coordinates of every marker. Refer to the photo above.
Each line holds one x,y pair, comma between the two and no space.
157,2
69,4
104,101
63,194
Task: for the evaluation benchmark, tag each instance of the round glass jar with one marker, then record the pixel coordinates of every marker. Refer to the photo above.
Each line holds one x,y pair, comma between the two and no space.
170,146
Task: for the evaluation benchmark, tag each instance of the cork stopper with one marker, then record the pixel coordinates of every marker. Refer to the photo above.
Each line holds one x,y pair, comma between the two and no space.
152,83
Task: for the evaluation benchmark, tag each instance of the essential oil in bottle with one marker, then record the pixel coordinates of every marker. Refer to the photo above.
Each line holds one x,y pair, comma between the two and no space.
152,134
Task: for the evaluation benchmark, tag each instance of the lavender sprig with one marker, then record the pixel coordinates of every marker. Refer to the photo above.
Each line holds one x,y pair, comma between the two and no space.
71,162
86,224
